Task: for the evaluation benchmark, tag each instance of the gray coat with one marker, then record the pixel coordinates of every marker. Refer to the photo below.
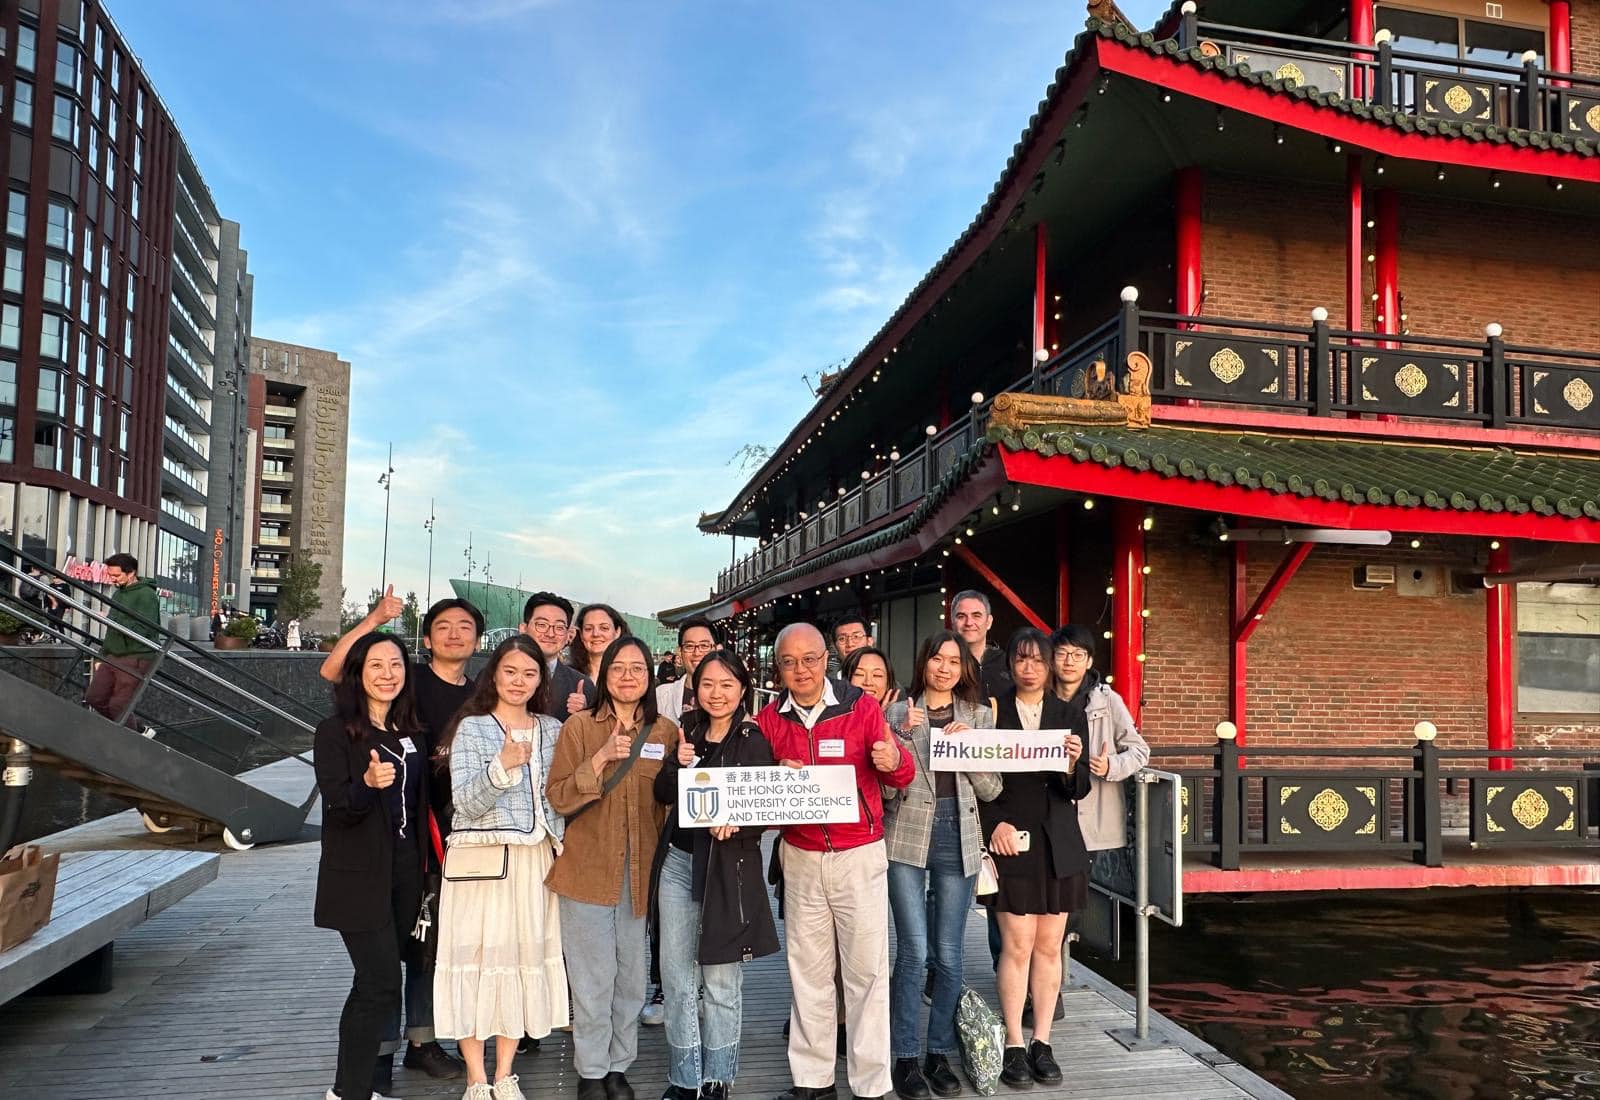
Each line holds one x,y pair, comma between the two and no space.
908,814
1103,813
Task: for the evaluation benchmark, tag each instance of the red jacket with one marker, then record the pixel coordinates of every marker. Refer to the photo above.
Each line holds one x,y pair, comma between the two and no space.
857,721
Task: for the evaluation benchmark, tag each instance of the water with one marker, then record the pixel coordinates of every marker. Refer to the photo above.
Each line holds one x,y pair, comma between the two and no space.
1445,995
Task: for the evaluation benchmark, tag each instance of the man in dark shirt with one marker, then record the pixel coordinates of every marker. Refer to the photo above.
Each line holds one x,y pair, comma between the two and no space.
547,619
971,617
450,633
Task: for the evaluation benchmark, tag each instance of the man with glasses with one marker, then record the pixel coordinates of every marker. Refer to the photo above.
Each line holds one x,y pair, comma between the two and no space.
696,638
547,619
971,617
835,877
851,633
1115,748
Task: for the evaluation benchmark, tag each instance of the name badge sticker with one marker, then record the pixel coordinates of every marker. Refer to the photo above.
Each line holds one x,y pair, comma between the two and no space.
653,752
832,749
405,743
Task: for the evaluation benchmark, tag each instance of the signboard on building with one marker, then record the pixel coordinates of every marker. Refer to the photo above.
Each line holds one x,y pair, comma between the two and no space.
216,571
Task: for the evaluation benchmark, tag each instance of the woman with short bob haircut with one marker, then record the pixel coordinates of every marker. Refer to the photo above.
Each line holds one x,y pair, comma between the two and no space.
603,779
869,669
373,780
597,626
710,897
500,973
1039,857
935,845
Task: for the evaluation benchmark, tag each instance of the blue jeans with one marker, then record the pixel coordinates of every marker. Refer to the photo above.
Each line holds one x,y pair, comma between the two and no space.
951,892
702,1039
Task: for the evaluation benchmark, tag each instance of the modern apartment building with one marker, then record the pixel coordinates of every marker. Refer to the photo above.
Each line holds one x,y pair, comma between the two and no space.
299,409
224,575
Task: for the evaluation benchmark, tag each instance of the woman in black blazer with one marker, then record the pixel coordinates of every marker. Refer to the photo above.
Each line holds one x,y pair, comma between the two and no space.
1040,884
372,775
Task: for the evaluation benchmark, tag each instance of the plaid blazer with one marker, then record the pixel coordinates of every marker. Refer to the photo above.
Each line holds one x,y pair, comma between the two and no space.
908,814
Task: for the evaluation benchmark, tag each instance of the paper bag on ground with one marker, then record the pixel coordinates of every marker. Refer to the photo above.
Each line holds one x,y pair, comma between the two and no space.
27,892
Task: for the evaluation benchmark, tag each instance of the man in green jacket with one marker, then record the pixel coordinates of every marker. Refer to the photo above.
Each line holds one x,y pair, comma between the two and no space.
124,654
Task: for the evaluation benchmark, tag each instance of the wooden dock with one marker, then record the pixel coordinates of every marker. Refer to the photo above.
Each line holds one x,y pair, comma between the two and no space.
233,993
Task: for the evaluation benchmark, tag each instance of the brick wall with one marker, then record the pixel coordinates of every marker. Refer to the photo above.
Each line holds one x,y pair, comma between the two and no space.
1330,664
1586,37
1270,260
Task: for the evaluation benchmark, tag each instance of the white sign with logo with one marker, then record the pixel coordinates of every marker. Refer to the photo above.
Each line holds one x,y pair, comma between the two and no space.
998,751
821,795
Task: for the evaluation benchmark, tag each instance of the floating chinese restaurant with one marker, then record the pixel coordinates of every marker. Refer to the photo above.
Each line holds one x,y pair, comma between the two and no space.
1337,481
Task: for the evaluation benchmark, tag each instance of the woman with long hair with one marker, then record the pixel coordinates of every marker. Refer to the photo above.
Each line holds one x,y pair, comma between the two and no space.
373,779
603,779
1032,826
868,669
500,973
935,845
597,626
710,896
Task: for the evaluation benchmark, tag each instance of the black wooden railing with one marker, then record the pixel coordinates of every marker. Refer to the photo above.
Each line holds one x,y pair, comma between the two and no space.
1386,800
1313,370
1466,93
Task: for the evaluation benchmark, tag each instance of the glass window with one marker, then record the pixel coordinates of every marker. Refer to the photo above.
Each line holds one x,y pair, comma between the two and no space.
1421,33
8,431
8,382
122,477
133,200
77,456
17,214
1558,649
111,120
116,71
127,337
54,335
64,120
1499,44
105,265
138,117
67,65
27,42
94,464
13,281
56,275
122,430
138,154
102,320
49,390
83,303
100,365
10,326
130,292
58,227
99,416
111,166
22,103
94,149
80,405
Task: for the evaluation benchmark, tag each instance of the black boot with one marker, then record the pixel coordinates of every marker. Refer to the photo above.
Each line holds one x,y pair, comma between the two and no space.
941,1078
617,1087
908,1080
1043,1064
591,1088
1014,1069
675,1093
432,1059
716,1090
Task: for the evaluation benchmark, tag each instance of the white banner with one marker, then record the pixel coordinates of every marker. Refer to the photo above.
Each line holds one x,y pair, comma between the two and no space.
820,795
998,751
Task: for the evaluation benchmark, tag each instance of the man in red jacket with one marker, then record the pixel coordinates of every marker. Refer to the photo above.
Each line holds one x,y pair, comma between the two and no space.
835,877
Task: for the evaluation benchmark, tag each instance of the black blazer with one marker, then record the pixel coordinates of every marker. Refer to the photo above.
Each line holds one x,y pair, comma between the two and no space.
1044,803
355,877
565,680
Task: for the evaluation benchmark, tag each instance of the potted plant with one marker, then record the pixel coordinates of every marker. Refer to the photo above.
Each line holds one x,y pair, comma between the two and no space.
238,633
11,627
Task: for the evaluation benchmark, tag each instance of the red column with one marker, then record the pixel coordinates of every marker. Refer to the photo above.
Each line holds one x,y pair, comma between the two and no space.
1041,243
1063,578
1238,608
1360,35
1355,256
1560,59
1501,636
1189,193
1127,624
1386,252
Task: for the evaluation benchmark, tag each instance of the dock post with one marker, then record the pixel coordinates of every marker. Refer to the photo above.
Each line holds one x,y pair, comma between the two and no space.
1138,1036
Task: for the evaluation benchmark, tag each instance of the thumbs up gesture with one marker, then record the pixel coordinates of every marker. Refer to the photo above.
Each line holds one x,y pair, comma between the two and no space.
379,774
515,752
389,607
886,754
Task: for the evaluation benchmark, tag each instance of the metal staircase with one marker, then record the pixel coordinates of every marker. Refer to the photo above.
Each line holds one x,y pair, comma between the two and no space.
194,719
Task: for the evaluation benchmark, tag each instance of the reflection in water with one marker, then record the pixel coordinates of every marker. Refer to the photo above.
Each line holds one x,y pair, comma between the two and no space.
1445,994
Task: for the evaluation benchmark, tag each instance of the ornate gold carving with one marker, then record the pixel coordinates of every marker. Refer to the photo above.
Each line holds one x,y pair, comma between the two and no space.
1567,825
1287,829
1578,394
1136,380
1570,793
1458,99
1367,394
1530,809
1227,365
1272,387
1183,802
1024,410
1592,118
1328,809
1410,380
1290,71
1286,793
1454,402
1209,48
1272,354
1372,820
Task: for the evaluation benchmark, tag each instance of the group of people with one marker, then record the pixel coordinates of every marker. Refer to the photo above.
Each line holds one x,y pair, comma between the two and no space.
503,854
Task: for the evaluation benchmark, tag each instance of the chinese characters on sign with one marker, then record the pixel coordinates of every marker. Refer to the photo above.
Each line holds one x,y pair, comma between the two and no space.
821,795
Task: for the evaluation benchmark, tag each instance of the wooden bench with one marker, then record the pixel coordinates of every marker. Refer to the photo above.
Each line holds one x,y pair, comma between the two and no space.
99,896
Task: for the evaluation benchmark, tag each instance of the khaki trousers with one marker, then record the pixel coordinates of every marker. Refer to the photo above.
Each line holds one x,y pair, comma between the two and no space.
838,902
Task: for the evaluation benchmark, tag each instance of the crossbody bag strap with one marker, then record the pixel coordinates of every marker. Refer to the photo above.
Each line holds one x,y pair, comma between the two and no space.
617,776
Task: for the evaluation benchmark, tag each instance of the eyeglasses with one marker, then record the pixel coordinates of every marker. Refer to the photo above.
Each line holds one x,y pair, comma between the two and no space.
810,661
548,626
1073,655
858,636
697,647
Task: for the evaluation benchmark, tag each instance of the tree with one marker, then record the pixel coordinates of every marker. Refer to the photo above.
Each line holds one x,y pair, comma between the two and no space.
411,617
350,612
297,589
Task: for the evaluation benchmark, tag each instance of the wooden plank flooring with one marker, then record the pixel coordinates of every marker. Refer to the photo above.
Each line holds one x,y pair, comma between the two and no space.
232,993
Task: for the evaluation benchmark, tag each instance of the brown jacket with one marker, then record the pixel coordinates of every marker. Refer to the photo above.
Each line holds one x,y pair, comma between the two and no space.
628,820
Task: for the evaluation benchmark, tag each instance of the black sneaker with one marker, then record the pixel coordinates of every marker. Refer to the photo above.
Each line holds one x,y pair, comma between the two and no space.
527,1045
617,1087
908,1080
800,1092
941,1078
716,1090
1014,1069
1043,1064
675,1093
591,1088
432,1059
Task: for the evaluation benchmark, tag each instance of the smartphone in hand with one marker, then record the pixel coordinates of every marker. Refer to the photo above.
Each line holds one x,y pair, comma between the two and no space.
1024,840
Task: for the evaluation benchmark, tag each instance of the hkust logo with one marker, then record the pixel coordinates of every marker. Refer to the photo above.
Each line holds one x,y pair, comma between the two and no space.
704,801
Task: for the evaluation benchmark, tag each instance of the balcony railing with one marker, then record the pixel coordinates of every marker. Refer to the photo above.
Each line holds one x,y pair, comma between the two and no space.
1313,371
178,511
278,444
280,412
201,370
201,445
181,392
1473,93
276,509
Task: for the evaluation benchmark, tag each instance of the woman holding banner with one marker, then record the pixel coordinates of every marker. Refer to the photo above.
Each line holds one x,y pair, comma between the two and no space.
710,897
1039,857
934,846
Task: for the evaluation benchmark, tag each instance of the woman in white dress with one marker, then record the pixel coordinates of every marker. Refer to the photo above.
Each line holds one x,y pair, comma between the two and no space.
500,972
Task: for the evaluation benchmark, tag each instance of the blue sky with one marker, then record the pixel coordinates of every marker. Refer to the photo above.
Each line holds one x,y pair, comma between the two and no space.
580,253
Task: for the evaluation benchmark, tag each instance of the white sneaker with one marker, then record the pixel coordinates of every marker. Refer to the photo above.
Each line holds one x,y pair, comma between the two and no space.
654,1013
504,1089
149,734
483,1092
331,1095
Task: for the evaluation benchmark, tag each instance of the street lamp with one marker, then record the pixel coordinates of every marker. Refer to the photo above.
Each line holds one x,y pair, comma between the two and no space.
386,479
428,526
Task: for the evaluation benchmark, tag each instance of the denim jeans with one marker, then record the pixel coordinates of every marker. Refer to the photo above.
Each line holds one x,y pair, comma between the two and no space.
702,1039
951,891
606,967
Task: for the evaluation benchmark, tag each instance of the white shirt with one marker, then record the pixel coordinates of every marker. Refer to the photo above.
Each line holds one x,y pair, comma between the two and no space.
1030,713
808,715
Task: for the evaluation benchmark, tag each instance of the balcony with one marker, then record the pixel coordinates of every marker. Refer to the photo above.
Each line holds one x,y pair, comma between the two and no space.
276,477
199,444
273,540
1478,96
276,510
280,412
263,574
177,511
279,445
1315,372
201,371
203,337
187,400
